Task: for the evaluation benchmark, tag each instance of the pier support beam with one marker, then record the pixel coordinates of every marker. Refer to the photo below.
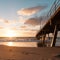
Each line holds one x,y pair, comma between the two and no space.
54,36
43,40
38,37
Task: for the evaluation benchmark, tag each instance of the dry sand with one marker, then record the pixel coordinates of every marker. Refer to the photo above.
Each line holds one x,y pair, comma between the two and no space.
25,53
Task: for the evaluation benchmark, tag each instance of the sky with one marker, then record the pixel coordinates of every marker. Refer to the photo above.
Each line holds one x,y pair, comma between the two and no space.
22,18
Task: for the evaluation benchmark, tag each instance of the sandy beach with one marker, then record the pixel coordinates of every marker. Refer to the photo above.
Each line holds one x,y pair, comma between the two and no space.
29,53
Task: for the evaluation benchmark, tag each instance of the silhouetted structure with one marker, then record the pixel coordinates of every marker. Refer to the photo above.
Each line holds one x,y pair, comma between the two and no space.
52,25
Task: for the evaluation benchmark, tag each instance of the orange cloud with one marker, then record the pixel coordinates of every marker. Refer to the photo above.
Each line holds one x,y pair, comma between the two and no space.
3,21
29,33
30,11
23,27
14,28
1,27
33,21
6,21
36,21
29,28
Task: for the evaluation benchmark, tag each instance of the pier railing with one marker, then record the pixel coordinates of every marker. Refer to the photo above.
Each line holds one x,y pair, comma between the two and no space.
52,10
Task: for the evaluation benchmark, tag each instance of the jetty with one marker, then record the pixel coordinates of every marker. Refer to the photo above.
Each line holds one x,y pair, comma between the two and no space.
52,25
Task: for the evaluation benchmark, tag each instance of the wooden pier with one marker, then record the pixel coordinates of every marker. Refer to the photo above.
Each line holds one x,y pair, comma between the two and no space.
52,25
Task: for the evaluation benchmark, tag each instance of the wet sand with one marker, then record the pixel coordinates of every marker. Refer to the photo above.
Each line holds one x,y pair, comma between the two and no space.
29,53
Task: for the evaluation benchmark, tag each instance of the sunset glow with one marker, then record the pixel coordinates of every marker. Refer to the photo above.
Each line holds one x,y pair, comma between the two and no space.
20,18
10,33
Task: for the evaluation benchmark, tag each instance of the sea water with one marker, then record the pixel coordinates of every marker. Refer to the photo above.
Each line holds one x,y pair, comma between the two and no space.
23,43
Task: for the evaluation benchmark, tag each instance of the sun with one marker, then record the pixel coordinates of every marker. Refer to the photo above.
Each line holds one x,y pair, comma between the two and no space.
10,33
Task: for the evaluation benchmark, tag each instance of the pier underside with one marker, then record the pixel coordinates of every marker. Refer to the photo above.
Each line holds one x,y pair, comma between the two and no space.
52,26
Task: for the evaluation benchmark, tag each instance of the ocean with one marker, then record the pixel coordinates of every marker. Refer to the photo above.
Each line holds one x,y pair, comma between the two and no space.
23,41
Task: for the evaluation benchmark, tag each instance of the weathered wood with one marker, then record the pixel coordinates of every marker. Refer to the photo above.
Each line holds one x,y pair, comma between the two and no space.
43,40
54,37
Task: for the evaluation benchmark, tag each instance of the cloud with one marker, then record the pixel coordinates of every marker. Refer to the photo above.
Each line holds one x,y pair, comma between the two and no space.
22,21
29,33
33,21
28,28
12,24
13,28
3,21
1,27
6,22
21,30
30,11
23,27
36,21
33,30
